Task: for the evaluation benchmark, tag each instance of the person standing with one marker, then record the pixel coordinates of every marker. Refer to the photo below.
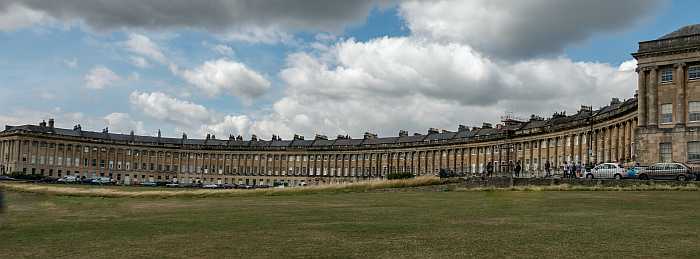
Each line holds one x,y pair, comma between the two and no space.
547,168
518,167
489,169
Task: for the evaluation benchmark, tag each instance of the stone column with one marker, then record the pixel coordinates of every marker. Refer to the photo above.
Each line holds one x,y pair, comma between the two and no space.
642,97
652,101
681,104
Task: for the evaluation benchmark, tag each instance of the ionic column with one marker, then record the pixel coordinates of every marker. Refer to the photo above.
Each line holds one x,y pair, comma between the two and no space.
653,92
681,109
642,97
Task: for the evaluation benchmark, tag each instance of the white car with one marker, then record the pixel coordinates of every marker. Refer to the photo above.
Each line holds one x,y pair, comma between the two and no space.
68,179
102,180
606,171
210,186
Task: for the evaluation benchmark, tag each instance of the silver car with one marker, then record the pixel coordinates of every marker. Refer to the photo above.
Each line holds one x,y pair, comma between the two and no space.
667,171
606,171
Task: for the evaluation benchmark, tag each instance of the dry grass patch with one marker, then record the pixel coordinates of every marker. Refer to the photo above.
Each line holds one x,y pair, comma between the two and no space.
145,193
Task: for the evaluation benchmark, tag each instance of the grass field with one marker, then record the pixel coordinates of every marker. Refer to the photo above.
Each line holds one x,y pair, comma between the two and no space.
402,224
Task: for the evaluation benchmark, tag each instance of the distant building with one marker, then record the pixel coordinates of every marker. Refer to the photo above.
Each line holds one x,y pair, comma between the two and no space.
669,97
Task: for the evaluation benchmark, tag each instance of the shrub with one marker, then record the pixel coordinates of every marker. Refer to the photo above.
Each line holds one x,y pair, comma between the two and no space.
23,176
404,175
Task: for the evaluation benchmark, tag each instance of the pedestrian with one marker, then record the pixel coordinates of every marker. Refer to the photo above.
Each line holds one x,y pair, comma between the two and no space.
547,168
578,169
517,169
489,169
565,169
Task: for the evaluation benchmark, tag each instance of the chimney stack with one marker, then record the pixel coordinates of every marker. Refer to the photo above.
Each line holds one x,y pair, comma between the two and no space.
51,123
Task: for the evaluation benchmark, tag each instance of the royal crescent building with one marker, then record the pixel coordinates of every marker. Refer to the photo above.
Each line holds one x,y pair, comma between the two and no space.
660,123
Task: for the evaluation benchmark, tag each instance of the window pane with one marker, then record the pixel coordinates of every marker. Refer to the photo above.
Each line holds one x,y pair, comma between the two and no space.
693,151
666,113
667,75
694,72
665,152
694,111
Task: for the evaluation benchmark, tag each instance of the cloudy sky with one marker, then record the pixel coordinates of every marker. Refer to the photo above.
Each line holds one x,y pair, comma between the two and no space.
317,67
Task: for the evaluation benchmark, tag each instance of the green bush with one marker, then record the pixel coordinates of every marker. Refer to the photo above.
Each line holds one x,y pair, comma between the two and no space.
404,175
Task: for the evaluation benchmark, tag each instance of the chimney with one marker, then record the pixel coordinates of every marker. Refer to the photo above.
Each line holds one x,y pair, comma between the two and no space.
403,133
42,123
184,136
615,101
324,137
253,137
208,136
369,135
433,131
51,123
158,133
298,137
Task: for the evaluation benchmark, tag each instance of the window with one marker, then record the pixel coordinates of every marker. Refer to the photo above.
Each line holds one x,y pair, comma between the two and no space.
694,72
694,151
665,152
666,113
693,111
667,75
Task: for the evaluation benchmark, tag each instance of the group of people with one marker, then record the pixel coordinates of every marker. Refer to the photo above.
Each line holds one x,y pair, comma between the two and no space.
570,170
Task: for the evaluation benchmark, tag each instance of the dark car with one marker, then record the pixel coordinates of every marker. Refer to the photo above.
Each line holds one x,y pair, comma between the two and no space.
228,186
86,180
667,171
6,178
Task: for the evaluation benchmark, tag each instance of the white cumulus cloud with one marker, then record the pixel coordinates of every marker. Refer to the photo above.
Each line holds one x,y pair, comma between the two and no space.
166,108
99,77
226,76
123,123
142,45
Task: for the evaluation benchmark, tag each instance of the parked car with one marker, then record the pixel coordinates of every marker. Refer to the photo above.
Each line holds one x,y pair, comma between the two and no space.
210,186
6,178
172,185
150,184
228,186
47,180
607,171
86,180
102,180
667,171
68,179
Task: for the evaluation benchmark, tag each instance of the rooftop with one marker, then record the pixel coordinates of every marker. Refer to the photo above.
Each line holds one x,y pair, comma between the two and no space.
558,121
682,32
683,38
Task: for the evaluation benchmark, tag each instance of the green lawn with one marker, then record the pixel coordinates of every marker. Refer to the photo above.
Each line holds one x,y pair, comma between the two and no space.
358,225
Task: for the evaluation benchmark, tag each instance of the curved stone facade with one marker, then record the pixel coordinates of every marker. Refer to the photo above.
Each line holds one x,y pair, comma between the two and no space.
591,136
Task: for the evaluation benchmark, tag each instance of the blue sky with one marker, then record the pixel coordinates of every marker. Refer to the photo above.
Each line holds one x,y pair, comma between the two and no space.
379,69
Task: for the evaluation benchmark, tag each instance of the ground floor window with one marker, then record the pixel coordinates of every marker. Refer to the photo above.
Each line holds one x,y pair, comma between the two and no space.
694,151
665,152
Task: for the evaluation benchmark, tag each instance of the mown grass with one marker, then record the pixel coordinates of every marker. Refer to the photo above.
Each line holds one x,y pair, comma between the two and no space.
409,224
143,192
